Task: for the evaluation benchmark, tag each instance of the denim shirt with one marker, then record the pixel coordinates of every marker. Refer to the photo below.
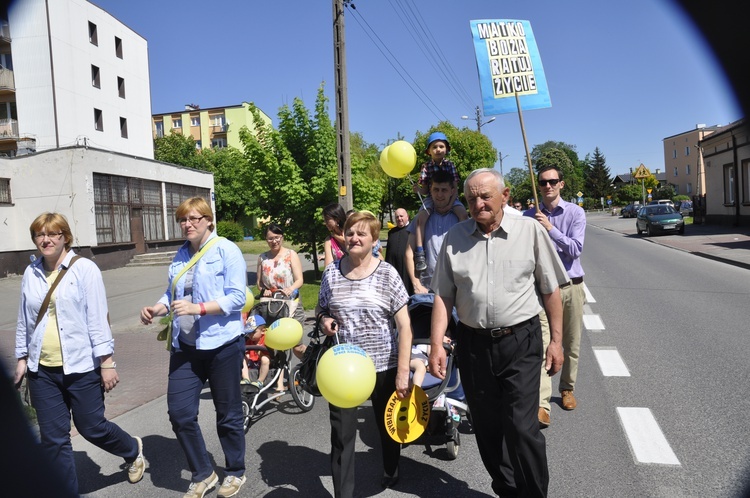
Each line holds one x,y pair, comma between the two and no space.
221,276
81,304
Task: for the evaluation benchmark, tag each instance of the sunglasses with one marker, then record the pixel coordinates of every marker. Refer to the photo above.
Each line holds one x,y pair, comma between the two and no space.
544,183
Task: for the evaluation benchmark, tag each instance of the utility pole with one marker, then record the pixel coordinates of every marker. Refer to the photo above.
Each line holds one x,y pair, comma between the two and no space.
342,107
500,158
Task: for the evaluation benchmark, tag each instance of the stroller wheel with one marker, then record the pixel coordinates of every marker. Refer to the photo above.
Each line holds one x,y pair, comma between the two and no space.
452,446
300,395
247,416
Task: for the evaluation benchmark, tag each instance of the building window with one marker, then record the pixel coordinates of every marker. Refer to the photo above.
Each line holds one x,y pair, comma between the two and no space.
687,151
176,122
159,125
121,87
675,171
195,120
689,188
123,127
95,80
687,169
93,37
746,181
219,143
5,191
98,120
674,154
729,184
176,195
116,198
198,145
118,47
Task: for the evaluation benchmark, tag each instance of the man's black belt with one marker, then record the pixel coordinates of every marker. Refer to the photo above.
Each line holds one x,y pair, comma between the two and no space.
501,331
574,281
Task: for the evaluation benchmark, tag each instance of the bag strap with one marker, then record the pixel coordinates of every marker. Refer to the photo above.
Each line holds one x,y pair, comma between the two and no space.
197,256
48,297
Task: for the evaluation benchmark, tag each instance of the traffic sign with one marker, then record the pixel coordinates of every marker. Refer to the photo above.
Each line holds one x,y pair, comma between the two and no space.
579,194
641,172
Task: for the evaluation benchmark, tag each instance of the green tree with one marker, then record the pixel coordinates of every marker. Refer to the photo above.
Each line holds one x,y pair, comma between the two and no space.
177,148
232,174
519,181
628,193
598,183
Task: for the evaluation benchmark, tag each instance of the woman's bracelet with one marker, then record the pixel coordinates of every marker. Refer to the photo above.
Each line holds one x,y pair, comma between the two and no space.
203,309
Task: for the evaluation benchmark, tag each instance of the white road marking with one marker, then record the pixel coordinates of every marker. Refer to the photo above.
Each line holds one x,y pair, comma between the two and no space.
610,362
589,296
593,322
645,437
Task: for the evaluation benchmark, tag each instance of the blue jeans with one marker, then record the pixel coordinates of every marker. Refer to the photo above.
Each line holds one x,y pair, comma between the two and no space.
189,369
55,395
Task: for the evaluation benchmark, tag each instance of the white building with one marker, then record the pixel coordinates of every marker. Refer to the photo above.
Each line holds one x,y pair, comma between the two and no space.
117,205
80,76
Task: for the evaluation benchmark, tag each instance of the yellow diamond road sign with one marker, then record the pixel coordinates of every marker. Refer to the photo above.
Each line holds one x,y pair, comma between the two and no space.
641,172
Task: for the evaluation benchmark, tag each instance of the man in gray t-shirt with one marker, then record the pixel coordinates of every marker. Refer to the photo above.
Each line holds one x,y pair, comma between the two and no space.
442,190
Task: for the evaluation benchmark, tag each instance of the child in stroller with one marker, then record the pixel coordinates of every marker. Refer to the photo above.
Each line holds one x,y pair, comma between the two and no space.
255,335
447,397
270,368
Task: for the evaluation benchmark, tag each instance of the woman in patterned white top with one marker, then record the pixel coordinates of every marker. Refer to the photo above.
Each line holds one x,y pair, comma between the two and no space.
360,298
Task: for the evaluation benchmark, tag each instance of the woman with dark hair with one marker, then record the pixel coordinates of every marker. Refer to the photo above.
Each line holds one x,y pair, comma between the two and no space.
64,340
280,270
206,293
334,217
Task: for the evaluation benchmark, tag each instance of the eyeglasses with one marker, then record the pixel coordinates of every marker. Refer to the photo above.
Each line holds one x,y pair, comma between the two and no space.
552,182
274,239
192,219
50,236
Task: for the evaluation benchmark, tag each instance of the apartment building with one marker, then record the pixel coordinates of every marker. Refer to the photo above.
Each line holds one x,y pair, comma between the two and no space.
212,127
683,162
71,74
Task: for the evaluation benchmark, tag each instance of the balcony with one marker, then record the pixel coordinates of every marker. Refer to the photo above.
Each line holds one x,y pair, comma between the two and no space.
219,129
8,129
4,31
7,81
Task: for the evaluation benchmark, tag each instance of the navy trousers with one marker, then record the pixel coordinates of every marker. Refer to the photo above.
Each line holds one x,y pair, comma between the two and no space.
501,381
189,369
54,396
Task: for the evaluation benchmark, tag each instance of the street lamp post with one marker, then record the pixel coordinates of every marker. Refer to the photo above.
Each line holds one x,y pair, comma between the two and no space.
479,119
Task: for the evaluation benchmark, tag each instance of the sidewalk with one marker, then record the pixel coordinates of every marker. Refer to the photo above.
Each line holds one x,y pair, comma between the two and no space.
726,244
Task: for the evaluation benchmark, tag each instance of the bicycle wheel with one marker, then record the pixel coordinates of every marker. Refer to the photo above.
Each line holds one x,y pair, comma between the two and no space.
304,399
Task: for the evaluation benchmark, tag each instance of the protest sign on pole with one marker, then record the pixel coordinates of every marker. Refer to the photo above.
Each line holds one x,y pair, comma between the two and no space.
511,75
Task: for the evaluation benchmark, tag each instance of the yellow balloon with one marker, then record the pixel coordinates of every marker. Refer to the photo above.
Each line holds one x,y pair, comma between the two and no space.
345,375
249,301
401,158
284,333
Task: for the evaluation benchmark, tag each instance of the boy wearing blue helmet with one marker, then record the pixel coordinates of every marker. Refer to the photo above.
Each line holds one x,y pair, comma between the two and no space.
437,148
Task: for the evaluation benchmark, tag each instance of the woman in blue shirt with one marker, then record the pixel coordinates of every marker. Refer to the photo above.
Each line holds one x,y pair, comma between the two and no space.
68,352
205,301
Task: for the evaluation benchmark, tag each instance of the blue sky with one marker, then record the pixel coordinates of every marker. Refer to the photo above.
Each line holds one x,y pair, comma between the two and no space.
622,76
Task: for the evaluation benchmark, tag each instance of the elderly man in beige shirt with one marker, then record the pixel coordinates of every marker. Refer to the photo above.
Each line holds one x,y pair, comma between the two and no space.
498,271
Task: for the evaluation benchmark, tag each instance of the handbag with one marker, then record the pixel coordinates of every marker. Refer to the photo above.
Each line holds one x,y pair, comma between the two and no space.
309,364
166,333
277,306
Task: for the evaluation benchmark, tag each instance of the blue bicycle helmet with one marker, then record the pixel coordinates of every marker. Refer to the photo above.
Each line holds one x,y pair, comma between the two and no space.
438,135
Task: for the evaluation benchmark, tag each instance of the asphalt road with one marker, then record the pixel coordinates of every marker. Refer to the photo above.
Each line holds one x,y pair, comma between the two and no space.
677,322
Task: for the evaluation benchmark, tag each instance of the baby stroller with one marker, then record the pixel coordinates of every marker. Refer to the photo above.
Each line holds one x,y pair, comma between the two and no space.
254,398
446,396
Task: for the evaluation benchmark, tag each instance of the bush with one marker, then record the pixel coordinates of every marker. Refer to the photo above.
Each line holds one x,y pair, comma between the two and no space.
231,230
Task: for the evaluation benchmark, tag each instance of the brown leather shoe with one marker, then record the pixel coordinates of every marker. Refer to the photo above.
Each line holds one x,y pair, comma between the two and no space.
544,420
568,400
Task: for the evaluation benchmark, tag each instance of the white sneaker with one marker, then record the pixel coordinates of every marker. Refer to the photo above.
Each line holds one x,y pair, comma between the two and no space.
231,486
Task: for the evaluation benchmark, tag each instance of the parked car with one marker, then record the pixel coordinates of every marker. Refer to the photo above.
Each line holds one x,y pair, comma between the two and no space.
630,211
684,207
659,218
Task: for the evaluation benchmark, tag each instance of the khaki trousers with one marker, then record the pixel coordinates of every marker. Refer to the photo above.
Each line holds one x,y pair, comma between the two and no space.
573,298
